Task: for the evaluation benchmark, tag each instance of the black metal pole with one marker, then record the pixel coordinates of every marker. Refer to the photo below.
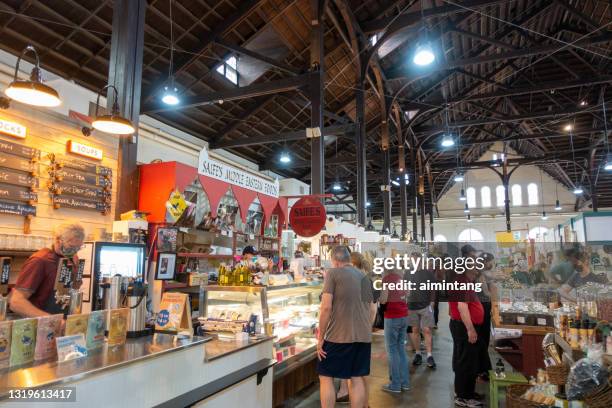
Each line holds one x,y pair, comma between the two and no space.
386,190
317,146
125,73
506,183
360,145
414,198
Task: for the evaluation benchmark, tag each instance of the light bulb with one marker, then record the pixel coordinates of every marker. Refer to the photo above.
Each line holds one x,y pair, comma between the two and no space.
608,164
113,124
568,127
285,158
578,190
336,187
466,209
558,206
424,55
469,218
458,177
170,96
462,195
544,216
447,141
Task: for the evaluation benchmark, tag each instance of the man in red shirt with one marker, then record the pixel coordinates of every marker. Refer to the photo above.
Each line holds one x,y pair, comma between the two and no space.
396,325
34,291
466,313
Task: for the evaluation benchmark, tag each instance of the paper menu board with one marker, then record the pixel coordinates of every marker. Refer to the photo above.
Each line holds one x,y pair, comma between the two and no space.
174,313
71,347
23,341
76,323
48,330
5,343
117,330
95,329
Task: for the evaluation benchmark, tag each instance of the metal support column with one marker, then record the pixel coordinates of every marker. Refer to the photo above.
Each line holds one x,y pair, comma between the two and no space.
386,191
414,198
360,146
506,183
125,73
317,146
422,202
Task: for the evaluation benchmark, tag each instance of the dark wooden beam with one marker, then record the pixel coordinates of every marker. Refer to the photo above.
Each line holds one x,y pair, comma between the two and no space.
252,54
249,91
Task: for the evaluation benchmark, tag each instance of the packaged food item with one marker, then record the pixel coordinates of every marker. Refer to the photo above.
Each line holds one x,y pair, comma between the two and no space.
95,329
117,331
23,341
76,323
47,331
5,343
71,347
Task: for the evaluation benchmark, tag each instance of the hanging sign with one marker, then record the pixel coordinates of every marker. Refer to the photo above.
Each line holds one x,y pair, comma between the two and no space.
19,150
62,188
84,150
14,177
82,178
307,216
235,176
61,201
16,163
16,209
12,129
62,161
16,193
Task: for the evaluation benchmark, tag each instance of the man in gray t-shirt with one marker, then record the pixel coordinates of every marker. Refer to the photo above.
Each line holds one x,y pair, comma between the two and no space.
345,329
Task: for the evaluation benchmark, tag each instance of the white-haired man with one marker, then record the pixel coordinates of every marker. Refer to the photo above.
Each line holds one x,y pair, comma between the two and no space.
34,291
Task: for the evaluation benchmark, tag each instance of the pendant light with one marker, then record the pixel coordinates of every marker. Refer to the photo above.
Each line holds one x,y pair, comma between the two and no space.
113,123
170,96
557,202
544,216
447,138
336,186
370,226
458,177
577,188
424,54
608,163
395,235
285,158
466,209
469,218
462,196
32,91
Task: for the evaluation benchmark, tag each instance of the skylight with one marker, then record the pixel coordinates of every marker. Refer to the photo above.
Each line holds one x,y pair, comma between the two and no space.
229,69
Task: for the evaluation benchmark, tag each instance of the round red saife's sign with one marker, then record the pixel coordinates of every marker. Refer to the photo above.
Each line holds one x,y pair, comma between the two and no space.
307,216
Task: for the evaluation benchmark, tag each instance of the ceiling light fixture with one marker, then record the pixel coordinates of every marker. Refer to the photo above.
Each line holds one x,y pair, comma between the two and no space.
32,91
466,209
462,196
170,96
583,103
285,157
544,216
423,54
113,123
367,204
458,177
568,128
578,190
608,163
370,227
447,141
394,235
336,186
469,218
395,183
558,205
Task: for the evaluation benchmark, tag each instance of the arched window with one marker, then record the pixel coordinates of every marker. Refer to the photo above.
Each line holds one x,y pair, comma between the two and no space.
517,195
500,196
439,238
532,194
470,235
471,197
485,197
538,233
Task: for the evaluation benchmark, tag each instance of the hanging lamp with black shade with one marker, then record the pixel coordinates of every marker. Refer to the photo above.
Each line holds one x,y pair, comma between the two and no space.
557,202
544,215
608,162
113,123
31,91
577,187
170,96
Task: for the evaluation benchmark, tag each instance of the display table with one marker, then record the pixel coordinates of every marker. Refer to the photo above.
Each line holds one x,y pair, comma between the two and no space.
496,383
156,371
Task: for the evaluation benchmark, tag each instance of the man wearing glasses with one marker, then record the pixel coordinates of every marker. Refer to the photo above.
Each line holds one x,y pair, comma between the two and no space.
34,291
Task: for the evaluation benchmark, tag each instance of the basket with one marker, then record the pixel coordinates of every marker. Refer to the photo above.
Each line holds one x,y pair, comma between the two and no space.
513,397
557,374
601,397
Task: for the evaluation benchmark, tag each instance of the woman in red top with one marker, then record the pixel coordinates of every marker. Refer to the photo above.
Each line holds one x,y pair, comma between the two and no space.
396,324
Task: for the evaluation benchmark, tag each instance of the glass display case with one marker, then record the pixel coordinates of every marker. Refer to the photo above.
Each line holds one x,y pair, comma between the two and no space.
290,313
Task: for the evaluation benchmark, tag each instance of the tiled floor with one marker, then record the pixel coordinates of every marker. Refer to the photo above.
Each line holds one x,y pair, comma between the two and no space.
430,388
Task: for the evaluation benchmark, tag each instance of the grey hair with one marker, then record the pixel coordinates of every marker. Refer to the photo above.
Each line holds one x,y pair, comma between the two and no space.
68,231
341,254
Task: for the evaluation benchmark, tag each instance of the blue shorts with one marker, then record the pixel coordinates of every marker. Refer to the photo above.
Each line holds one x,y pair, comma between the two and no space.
345,360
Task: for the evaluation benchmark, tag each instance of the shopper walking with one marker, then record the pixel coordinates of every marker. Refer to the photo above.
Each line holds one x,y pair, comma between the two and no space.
396,324
484,277
345,334
421,315
467,314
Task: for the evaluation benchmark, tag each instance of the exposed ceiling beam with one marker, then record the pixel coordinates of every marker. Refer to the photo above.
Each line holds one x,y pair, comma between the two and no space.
338,130
405,72
252,54
235,93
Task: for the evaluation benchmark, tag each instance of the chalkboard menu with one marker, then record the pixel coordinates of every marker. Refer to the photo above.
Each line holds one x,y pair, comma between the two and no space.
18,178
79,184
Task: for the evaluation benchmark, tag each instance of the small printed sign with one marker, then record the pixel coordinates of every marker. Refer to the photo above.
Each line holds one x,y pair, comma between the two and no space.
84,150
71,347
12,129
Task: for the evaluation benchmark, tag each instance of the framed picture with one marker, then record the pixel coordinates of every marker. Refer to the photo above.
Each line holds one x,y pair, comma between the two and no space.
166,239
166,265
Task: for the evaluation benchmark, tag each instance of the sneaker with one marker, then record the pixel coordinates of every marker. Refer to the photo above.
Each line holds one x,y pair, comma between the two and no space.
417,360
469,403
431,362
343,400
387,387
406,388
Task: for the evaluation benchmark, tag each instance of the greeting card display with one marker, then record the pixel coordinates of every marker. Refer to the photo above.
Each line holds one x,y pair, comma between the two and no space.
23,341
5,343
174,313
48,330
117,331
95,329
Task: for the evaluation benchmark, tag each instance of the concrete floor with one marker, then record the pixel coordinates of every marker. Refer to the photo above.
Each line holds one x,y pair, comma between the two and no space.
430,388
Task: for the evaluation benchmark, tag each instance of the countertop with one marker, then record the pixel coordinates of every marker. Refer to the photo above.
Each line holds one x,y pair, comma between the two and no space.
52,372
222,346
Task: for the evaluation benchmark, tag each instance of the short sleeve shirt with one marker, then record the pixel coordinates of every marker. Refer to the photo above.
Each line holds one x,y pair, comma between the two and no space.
352,297
576,280
465,296
37,276
396,299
